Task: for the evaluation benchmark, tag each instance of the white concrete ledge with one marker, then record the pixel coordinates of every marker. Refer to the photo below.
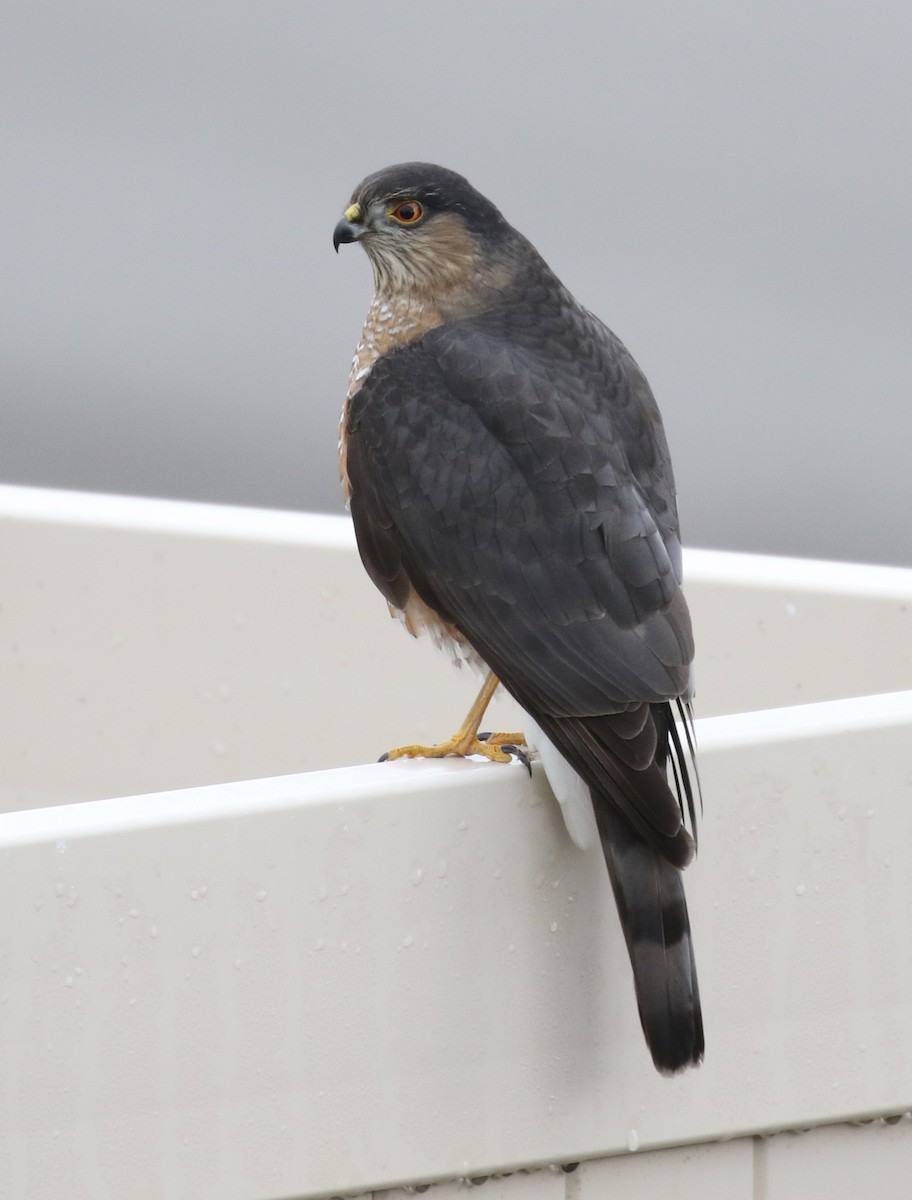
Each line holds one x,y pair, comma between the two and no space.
342,980
355,978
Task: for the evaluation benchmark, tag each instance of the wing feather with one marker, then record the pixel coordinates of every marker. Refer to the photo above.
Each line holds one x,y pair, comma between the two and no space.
527,498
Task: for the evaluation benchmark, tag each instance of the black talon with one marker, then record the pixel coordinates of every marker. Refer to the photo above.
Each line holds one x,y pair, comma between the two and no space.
520,755
384,757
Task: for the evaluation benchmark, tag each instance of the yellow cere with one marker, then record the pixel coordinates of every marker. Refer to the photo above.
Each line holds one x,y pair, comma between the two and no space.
353,212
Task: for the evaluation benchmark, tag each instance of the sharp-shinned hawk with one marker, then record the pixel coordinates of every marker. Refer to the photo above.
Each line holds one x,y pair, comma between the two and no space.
512,494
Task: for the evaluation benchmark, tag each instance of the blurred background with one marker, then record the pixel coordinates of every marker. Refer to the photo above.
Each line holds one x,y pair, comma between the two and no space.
729,186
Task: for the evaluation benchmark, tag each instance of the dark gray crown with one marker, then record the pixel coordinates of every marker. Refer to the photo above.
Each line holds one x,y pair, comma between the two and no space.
437,188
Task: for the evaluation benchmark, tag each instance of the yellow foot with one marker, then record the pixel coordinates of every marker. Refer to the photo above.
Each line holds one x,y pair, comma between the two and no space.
498,747
503,739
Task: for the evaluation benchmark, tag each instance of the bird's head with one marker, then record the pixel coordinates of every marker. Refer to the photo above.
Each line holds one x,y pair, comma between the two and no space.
426,230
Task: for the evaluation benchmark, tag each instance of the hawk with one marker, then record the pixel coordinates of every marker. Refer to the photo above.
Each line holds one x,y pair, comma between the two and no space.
512,494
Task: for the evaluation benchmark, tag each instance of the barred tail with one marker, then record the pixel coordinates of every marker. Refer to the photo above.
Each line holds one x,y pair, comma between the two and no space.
650,897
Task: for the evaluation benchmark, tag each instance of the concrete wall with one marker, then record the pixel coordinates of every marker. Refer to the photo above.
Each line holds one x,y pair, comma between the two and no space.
357,978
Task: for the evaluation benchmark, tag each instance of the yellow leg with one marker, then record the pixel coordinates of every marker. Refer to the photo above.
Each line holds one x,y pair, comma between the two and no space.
465,740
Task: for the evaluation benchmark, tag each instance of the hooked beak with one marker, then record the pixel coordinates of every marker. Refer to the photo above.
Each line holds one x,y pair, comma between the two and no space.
350,228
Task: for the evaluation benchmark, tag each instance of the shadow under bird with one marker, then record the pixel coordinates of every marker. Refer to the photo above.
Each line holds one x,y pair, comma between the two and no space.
512,494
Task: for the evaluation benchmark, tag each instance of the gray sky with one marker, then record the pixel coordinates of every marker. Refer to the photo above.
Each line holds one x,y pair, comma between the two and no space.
729,186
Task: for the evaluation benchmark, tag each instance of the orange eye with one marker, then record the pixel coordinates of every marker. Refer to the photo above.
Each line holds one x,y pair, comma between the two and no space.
409,212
